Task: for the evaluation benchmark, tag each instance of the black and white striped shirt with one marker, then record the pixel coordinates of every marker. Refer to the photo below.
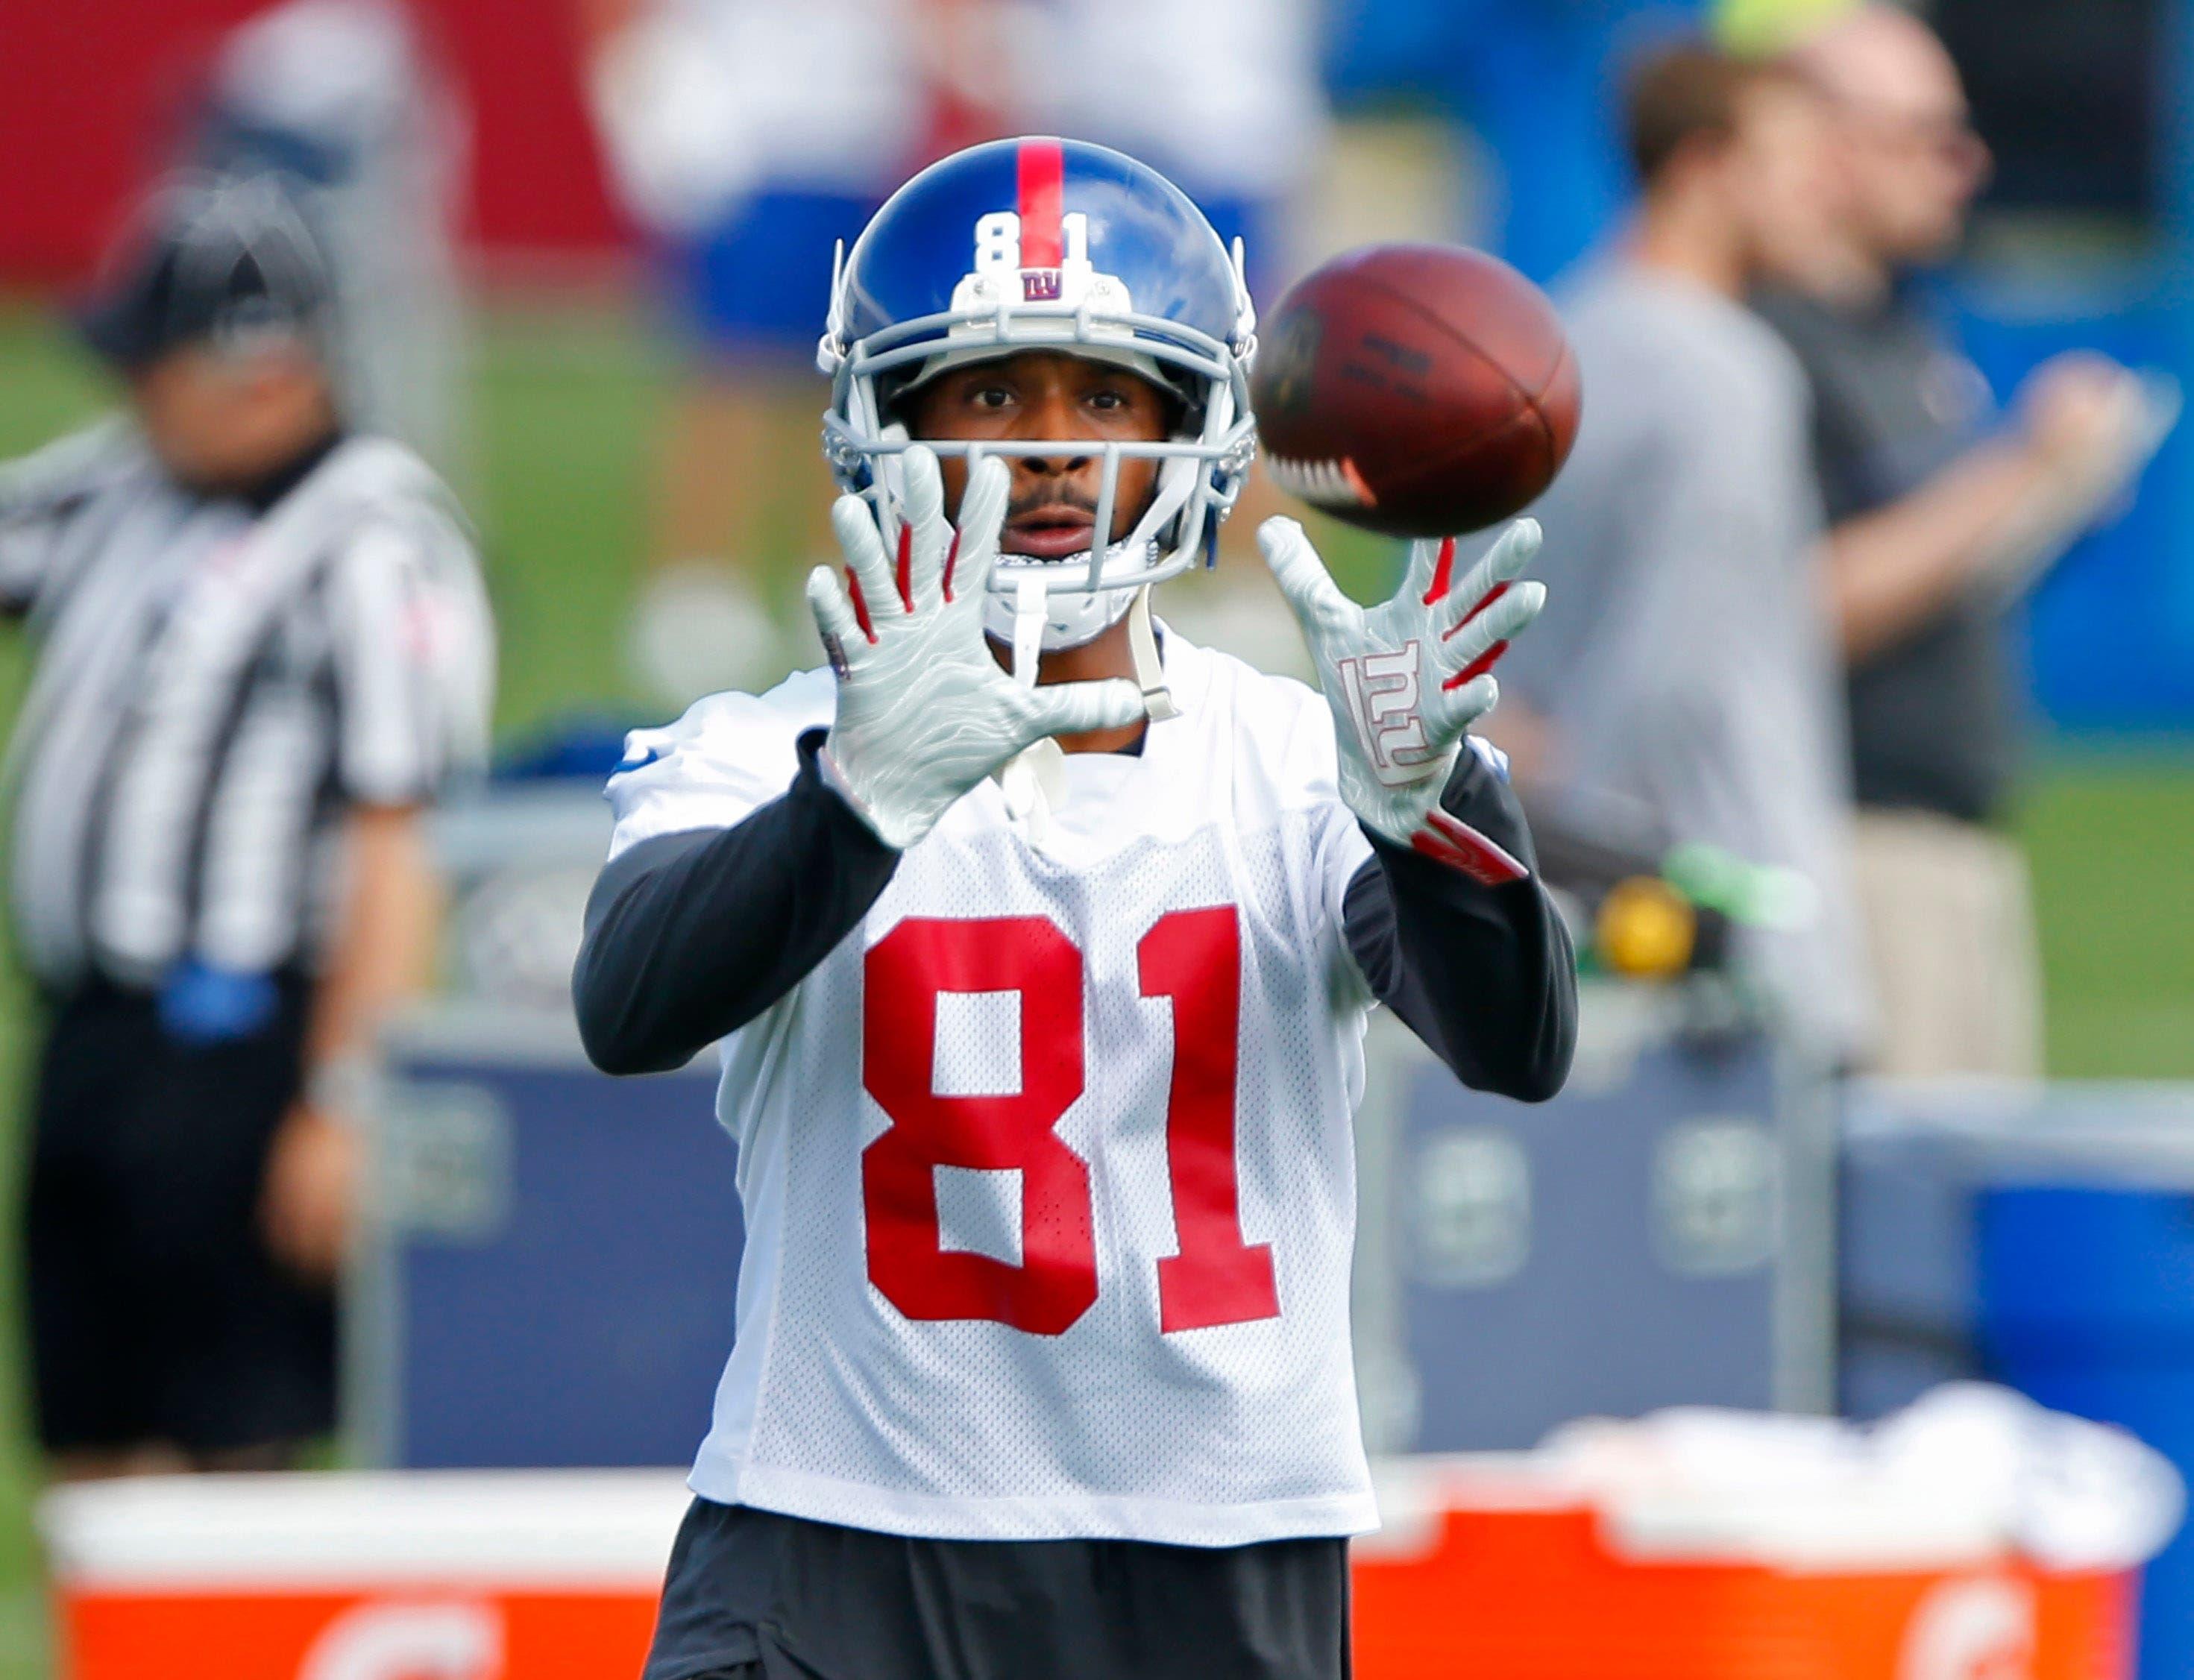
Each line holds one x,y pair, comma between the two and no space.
217,682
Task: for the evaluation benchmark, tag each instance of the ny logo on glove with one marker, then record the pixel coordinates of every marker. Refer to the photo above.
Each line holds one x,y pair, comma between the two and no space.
1406,680
1382,700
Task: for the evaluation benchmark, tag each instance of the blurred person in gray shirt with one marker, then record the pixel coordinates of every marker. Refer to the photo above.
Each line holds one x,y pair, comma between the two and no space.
1680,685
1941,518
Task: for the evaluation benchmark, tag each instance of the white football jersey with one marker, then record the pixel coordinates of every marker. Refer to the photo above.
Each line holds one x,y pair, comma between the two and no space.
1047,1169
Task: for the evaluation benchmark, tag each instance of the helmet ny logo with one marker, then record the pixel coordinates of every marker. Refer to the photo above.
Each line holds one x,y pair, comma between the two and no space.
1382,691
1054,270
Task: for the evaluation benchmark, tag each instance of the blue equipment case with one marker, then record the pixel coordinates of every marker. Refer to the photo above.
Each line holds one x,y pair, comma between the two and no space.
553,1277
554,1281
1655,1236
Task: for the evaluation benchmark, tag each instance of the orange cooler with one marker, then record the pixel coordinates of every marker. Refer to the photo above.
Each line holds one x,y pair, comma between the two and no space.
492,1575
1493,1567
1488,1568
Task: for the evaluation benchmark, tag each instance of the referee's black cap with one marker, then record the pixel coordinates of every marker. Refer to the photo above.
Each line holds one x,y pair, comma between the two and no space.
229,260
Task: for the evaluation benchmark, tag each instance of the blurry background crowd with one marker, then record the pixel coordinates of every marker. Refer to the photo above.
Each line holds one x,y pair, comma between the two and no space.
1866,694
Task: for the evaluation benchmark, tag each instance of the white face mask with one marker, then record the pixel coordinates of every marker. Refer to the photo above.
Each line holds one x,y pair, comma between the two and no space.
1198,474
1068,621
1077,618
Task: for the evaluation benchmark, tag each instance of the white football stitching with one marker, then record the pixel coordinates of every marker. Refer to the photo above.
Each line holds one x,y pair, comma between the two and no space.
1323,483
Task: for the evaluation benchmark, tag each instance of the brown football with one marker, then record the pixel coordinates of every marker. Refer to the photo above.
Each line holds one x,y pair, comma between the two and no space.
1416,390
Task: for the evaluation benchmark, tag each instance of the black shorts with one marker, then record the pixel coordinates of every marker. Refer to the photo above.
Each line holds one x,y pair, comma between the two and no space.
157,1314
761,1597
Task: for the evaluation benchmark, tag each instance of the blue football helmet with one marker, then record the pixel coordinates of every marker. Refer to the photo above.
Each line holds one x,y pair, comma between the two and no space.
1040,244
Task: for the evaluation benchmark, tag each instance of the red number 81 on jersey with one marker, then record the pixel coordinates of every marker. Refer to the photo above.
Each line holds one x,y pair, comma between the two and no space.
1193,958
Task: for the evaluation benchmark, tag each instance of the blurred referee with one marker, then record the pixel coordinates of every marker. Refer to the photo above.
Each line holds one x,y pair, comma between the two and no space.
262,646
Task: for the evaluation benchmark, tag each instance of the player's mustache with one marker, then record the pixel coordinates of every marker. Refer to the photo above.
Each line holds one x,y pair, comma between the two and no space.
1050,501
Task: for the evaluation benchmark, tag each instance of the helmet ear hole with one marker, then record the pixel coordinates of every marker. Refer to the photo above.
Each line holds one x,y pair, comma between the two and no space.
892,393
1184,413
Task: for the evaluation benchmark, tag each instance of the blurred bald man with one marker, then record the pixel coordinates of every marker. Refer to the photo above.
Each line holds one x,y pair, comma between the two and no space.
1941,515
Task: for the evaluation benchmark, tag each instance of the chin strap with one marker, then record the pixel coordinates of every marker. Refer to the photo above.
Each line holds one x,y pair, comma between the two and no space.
1031,610
1034,778
1149,672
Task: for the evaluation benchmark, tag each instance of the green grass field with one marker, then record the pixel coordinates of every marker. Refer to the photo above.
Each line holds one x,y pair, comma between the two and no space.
564,405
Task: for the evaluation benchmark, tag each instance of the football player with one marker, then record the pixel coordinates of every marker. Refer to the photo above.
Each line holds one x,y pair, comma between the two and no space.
1043,941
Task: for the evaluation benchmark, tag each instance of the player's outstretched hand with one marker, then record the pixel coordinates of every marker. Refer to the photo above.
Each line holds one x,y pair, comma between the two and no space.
1407,678
924,711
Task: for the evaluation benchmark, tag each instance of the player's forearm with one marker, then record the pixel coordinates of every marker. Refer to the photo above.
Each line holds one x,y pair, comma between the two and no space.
1892,569
1483,974
691,936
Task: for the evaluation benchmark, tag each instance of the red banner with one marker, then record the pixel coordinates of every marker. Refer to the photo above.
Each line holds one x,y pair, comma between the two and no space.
92,94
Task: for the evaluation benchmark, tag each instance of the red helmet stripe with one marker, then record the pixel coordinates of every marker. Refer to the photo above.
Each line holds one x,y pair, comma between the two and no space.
1042,192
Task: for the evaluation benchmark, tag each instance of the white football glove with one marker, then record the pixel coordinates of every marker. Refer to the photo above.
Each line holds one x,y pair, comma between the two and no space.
1406,678
924,711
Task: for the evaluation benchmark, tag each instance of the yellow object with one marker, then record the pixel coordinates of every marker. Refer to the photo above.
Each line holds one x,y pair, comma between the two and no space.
1645,928
1762,28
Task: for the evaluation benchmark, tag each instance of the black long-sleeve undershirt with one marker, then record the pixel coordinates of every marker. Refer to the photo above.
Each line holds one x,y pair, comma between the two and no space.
691,935
1483,974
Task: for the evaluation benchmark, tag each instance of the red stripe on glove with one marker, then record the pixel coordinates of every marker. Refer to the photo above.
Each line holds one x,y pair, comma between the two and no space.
1485,660
1445,839
1443,570
860,606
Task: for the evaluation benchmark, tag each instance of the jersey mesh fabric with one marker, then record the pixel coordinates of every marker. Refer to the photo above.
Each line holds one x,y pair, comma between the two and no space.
838,1406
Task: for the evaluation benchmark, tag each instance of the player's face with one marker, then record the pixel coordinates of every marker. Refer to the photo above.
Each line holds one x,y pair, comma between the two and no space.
1039,395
